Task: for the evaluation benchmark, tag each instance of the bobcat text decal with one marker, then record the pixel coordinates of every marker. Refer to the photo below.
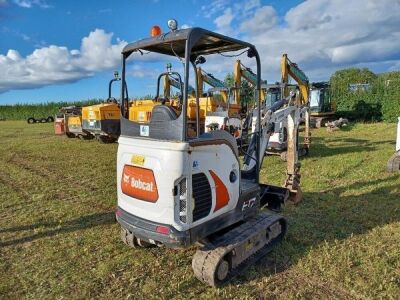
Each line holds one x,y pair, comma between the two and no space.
139,183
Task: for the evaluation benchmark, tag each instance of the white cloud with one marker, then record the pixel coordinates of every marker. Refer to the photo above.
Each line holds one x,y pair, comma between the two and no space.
214,7
323,35
56,64
139,71
264,19
225,19
31,3
223,22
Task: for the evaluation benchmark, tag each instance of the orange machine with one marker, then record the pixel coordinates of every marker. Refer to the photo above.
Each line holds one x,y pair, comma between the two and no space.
61,121
59,128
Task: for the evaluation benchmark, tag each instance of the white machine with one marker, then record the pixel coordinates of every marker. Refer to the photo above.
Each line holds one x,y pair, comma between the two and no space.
177,190
393,164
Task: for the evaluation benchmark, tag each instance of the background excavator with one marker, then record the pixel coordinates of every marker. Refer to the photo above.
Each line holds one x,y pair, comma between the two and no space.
271,93
224,112
102,120
177,189
240,72
140,109
204,77
322,108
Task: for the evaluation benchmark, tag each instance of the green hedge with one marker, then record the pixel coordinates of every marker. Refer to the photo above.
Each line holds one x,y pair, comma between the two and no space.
42,110
380,102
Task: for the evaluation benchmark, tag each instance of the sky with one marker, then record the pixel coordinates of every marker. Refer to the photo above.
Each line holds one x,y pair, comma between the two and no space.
67,50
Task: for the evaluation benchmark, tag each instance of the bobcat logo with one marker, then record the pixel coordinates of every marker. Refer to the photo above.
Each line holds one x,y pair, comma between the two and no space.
137,183
126,178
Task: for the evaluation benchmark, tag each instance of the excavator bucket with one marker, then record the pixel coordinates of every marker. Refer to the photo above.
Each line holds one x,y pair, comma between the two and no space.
295,196
393,164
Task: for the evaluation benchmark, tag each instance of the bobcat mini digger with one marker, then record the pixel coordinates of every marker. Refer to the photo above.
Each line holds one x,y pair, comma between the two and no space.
179,190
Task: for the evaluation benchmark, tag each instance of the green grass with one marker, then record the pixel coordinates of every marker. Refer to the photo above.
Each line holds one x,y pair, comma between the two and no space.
59,239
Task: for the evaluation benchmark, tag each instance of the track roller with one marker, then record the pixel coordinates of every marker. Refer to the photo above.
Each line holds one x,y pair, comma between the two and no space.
226,256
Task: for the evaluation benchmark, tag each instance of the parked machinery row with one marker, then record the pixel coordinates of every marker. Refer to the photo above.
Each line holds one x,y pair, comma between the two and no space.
100,121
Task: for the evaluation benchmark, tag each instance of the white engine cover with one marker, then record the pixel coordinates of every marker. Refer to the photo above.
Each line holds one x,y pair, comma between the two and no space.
170,162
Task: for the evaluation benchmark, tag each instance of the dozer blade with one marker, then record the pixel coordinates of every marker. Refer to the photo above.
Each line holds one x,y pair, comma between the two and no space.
393,164
231,253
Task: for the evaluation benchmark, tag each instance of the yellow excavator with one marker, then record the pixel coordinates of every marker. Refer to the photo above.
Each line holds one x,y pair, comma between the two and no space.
241,71
141,110
269,94
224,110
204,77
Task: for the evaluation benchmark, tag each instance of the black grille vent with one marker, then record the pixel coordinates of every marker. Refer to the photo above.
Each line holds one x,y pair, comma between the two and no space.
202,196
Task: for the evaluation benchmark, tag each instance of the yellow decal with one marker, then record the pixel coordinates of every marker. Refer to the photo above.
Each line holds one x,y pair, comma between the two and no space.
137,160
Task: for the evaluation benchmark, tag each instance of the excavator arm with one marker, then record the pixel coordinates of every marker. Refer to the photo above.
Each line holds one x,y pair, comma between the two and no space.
170,81
240,71
289,68
204,77
281,110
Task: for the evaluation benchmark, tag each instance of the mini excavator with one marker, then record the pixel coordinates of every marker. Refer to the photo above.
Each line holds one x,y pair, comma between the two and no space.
178,190
223,114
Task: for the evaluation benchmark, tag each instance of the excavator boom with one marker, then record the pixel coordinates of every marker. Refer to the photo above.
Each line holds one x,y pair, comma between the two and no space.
288,68
241,71
214,82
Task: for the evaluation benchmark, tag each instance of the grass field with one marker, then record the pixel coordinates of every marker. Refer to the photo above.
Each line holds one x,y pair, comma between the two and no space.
59,238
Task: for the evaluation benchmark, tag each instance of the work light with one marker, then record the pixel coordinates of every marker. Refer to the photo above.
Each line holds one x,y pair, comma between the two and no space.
172,24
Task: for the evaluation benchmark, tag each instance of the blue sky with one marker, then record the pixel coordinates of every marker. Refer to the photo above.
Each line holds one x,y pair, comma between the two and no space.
67,50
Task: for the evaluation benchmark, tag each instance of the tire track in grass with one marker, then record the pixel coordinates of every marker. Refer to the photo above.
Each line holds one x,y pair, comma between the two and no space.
58,183
46,192
21,162
7,181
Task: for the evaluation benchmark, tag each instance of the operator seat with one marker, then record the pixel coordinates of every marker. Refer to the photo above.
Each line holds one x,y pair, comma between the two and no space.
163,113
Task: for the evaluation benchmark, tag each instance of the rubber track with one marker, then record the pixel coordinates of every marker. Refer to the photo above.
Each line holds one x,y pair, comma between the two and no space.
206,260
